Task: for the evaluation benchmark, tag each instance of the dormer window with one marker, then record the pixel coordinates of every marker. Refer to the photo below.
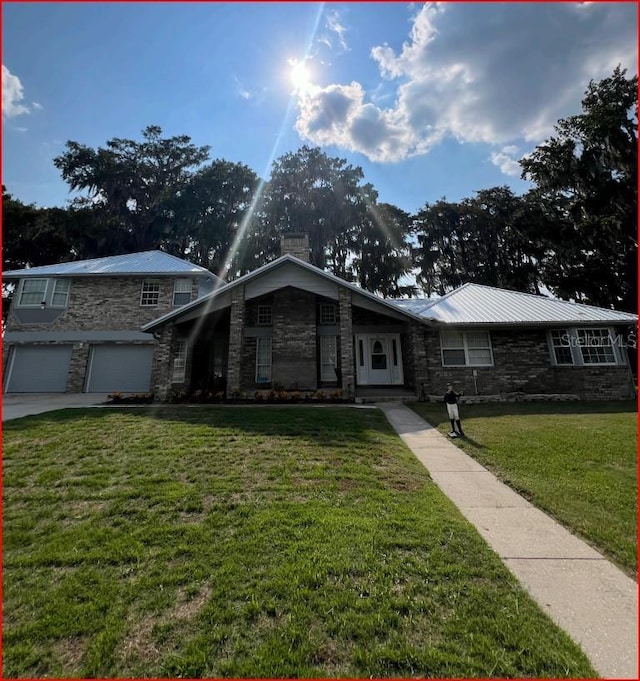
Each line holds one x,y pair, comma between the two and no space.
44,293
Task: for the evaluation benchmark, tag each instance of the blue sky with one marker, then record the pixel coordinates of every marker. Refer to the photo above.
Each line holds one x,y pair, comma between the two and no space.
430,100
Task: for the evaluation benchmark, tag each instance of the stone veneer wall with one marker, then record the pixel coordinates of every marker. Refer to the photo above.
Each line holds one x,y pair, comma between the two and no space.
522,364
347,361
295,362
162,367
236,337
107,304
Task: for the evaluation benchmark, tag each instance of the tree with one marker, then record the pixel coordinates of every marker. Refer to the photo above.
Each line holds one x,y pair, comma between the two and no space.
310,192
382,253
492,239
588,169
131,185
208,213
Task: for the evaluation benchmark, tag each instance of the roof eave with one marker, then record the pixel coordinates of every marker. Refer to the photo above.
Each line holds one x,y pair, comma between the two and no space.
279,262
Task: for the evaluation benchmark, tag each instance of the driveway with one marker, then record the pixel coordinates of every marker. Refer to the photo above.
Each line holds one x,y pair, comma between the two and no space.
17,405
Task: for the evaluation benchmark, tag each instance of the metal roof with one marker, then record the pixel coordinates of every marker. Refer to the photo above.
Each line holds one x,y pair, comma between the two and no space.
147,263
478,304
279,262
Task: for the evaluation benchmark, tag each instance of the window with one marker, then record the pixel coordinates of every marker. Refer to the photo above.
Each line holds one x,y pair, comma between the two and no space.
182,291
581,347
263,360
180,361
328,355
466,348
327,314
561,345
596,346
60,293
34,292
150,293
264,316
53,292
378,356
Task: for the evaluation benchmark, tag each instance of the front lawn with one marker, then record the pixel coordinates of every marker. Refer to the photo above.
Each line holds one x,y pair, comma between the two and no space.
249,542
574,460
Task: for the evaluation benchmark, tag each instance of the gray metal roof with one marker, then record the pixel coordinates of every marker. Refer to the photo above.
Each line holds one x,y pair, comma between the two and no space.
282,260
478,304
146,263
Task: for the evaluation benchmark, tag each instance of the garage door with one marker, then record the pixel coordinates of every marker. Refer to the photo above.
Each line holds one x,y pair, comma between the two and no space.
120,368
39,369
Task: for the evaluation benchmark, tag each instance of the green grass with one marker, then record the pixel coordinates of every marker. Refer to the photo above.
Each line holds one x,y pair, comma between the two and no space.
249,542
575,460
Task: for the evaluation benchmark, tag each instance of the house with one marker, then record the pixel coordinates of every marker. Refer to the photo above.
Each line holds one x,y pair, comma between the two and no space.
75,327
133,324
289,325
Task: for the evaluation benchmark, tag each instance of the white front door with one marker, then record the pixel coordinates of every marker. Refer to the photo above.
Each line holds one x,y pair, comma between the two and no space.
379,359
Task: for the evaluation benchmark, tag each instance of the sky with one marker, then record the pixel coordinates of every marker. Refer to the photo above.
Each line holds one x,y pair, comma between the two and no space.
430,100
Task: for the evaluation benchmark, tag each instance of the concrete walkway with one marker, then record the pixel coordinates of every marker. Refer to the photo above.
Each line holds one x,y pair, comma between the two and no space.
17,405
591,599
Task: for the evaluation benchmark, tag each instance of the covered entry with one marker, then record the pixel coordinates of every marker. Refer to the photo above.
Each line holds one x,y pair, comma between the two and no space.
379,359
119,368
38,369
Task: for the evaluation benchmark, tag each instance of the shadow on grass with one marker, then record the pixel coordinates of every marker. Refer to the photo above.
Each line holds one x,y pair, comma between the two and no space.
472,442
329,425
524,408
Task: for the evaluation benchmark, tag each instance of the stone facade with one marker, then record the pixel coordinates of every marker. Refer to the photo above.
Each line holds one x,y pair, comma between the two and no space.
96,304
236,338
105,304
522,364
346,343
294,347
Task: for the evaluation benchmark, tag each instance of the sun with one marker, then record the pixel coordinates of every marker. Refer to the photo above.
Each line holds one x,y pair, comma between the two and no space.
300,75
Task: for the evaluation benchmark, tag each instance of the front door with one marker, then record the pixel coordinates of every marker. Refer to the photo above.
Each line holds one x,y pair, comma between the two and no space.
379,360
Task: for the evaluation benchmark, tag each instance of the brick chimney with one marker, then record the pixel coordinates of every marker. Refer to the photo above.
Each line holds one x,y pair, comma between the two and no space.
295,244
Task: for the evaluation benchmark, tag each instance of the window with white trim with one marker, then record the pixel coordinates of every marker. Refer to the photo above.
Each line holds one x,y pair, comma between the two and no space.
328,358
596,346
263,360
466,348
52,292
561,347
179,361
150,293
327,313
60,294
264,316
584,346
33,292
181,292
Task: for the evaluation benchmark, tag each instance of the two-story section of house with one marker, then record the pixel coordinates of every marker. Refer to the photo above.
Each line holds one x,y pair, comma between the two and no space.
76,326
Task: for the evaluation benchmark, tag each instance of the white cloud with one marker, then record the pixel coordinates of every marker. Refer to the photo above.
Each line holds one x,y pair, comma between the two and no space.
12,95
486,73
505,160
338,115
241,91
335,25
36,105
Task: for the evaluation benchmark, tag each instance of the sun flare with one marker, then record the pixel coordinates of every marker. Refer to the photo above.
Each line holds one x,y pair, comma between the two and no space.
300,75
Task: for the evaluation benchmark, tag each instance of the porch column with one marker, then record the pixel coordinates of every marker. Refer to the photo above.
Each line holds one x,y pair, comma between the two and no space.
346,343
236,336
418,349
162,367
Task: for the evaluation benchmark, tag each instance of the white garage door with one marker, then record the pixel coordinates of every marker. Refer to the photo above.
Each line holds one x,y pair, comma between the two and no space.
119,368
38,369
